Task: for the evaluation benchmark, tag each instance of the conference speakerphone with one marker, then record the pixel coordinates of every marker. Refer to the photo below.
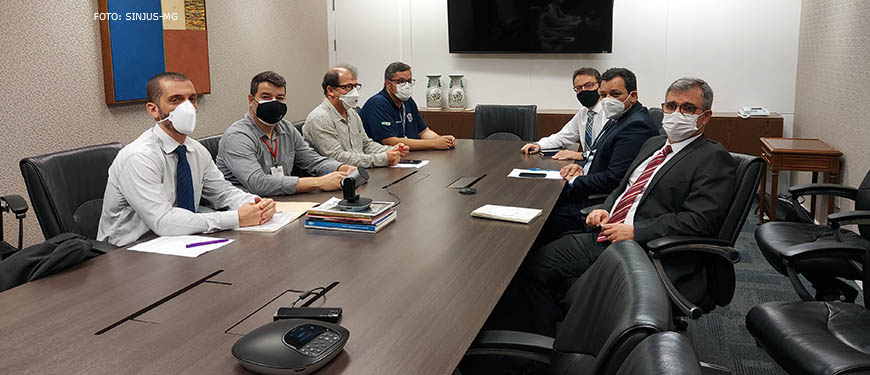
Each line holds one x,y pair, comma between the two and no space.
292,346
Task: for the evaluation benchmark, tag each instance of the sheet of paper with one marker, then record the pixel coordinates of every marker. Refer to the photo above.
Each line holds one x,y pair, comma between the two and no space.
551,174
279,220
298,208
177,245
418,165
517,214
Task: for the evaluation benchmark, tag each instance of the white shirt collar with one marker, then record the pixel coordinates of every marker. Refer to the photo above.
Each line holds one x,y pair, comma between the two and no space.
167,143
676,147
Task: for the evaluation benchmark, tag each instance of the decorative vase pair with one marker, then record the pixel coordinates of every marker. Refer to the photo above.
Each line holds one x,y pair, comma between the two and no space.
455,97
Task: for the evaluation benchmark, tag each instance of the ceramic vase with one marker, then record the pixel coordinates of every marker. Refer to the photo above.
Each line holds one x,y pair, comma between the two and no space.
457,91
433,91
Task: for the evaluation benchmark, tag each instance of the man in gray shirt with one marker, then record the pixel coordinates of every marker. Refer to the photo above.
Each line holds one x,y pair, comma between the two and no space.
336,130
156,181
258,152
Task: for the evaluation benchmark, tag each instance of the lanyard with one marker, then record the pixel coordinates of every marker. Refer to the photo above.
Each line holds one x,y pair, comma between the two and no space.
274,152
404,115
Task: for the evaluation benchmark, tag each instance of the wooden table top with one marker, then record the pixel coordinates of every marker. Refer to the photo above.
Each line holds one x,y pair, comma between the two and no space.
799,146
414,295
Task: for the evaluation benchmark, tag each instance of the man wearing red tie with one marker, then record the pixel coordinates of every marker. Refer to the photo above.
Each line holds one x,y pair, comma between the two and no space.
677,185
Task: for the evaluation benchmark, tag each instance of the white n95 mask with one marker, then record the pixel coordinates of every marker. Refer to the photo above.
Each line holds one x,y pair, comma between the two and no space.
350,99
183,118
404,91
613,107
679,126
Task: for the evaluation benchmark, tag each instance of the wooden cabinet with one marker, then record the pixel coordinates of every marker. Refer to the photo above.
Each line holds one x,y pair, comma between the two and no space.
735,133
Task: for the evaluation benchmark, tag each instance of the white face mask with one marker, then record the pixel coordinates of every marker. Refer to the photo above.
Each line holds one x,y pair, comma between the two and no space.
613,107
350,99
183,118
679,126
404,91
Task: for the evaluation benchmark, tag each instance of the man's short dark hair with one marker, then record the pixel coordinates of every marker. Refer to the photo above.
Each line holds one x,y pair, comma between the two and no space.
587,72
394,68
627,76
330,79
267,76
153,90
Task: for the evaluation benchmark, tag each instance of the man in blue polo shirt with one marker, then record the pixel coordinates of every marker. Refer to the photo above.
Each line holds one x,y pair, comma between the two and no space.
391,116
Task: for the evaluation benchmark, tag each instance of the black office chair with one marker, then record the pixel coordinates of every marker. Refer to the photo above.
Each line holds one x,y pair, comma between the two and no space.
666,353
66,188
616,304
211,143
657,115
784,243
506,122
813,337
18,207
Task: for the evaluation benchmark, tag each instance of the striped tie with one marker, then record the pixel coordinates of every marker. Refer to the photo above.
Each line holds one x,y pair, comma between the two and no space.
589,116
184,181
628,198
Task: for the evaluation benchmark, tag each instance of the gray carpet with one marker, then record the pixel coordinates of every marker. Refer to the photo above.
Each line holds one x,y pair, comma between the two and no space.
721,336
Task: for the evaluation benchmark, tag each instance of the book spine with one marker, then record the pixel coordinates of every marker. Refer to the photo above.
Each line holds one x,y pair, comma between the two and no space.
334,225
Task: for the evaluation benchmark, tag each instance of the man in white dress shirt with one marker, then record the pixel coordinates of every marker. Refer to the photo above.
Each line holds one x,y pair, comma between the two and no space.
584,127
156,182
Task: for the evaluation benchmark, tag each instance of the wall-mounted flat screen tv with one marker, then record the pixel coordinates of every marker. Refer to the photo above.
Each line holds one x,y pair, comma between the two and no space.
530,26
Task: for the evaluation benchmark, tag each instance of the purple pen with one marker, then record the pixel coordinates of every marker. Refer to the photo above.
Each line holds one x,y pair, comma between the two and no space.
195,244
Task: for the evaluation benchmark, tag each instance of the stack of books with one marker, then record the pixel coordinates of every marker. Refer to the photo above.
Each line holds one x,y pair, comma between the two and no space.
328,216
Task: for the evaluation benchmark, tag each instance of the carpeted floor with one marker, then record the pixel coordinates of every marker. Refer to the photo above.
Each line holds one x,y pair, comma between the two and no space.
721,336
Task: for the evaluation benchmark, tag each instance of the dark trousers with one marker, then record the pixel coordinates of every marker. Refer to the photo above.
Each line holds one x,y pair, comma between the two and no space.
565,218
531,301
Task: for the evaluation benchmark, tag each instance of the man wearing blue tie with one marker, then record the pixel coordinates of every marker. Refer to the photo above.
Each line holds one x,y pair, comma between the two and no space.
584,126
156,182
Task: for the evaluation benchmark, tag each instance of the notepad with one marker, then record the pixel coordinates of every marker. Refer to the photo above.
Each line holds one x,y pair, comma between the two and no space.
550,174
177,245
507,213
421,164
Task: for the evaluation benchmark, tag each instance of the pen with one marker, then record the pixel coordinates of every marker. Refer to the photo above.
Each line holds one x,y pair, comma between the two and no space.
203,243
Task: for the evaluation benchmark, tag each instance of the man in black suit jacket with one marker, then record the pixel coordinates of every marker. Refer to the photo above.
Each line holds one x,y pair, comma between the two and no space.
679,185
609,157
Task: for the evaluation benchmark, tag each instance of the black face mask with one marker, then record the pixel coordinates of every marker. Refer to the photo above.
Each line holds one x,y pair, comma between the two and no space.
271,112
588,98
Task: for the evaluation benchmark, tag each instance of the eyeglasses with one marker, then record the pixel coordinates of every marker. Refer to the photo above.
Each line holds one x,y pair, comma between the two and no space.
685,108
350,86
402,81
586,86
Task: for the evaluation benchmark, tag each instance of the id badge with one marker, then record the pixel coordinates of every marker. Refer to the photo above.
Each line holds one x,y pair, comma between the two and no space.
277,171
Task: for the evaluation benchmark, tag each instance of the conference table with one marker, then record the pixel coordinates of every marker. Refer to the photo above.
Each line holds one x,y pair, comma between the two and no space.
414,294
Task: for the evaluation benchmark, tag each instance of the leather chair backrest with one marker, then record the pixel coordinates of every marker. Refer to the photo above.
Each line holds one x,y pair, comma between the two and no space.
506,122
298,124
657,115
66,188
211,143
617,302
666,353
748,172
862,202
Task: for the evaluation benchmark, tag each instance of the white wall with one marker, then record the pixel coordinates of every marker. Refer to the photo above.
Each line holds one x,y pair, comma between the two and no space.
745,49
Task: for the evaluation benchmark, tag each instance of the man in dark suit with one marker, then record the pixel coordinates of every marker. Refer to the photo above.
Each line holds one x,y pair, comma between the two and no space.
607,160
677,185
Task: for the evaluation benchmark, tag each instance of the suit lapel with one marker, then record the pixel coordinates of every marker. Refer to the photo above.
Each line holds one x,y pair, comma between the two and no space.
674,161
642,155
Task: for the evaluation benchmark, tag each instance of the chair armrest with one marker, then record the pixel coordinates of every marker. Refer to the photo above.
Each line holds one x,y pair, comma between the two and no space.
515,340
823,189
662,243
849,217
687,307
822,249
16,204
723,251
597,199
586,210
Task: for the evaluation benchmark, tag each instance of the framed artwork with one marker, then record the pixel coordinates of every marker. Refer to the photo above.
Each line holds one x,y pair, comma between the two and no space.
142,38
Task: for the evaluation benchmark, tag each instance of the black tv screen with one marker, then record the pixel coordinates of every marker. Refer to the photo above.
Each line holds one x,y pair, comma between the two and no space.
538,26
